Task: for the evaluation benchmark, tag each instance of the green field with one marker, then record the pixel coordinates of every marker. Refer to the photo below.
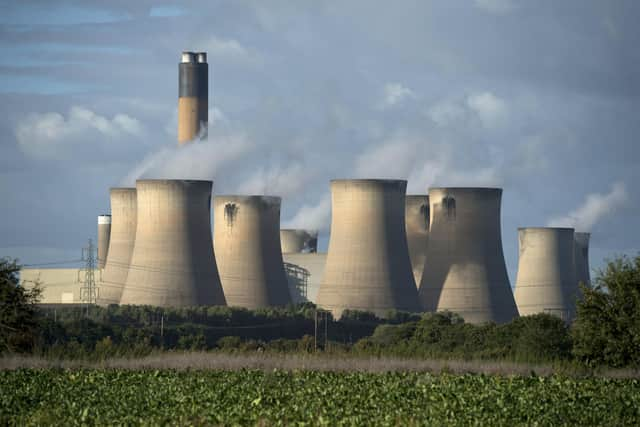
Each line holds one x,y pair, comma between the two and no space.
247,397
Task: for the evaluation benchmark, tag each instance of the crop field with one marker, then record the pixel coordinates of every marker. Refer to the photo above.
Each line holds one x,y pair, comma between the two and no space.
248,397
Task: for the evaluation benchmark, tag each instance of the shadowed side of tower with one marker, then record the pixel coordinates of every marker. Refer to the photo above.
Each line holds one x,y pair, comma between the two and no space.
465,271
417,224
122,237
173,263
247,243
368,266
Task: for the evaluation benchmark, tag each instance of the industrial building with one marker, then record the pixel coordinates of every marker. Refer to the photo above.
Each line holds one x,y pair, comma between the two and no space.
59,285
173,263
368,266
387,251
122,236
546,271
417,224
193,97
465,271
295,241
247,243
299,249
104,233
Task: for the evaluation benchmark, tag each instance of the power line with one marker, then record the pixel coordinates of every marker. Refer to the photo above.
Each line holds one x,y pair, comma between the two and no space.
52,263
88,290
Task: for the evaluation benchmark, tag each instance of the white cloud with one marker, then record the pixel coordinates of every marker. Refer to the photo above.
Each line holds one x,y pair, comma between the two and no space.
595,207
491,109
446,112
312,217
395,94
498,7
52,135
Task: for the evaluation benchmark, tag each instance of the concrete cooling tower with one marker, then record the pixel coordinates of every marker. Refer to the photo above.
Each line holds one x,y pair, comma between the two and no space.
546,272
247,241
368,266
465,270
121,240
298,241
104,231
193,97
173,263
582,257
417,224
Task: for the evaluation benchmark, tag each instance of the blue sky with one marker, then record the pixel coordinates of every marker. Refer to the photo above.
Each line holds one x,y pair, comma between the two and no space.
539,98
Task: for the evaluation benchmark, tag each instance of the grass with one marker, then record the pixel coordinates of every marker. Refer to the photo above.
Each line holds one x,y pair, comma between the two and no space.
311,362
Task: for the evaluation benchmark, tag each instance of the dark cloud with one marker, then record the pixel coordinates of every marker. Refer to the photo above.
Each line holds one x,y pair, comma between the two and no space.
539,98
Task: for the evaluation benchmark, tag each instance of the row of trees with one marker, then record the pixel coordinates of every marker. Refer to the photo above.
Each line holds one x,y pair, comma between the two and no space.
606,330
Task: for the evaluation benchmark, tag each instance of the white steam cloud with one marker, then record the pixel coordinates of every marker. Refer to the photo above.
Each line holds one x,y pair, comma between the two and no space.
197,160
595,207
276,181
312,217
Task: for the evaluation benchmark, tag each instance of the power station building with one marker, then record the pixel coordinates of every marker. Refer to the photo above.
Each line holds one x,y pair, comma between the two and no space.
368,266
465,271
193,97
104,233
546,271
417,224
122,235
173,263
247,243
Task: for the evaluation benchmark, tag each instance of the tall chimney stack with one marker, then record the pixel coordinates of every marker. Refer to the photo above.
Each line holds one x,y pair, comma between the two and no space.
193,100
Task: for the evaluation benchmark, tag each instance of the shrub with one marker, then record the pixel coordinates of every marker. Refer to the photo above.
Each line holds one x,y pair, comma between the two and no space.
607,326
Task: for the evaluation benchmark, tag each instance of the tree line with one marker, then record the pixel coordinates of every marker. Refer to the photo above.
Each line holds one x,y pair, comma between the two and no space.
606,331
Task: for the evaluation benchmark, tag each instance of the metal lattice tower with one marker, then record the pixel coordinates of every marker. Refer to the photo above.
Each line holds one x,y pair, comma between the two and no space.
89,290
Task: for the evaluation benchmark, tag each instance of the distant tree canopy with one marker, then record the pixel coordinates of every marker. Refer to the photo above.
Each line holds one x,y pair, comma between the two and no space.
607,328
18,312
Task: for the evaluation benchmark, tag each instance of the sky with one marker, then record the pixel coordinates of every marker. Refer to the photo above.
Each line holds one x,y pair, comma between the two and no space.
539,98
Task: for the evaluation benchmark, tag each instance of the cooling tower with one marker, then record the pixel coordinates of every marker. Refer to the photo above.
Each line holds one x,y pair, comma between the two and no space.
368,266
545,271
247,241
104,231
582,257
193,97
417,224
298,241
173,263
121,240
465,270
